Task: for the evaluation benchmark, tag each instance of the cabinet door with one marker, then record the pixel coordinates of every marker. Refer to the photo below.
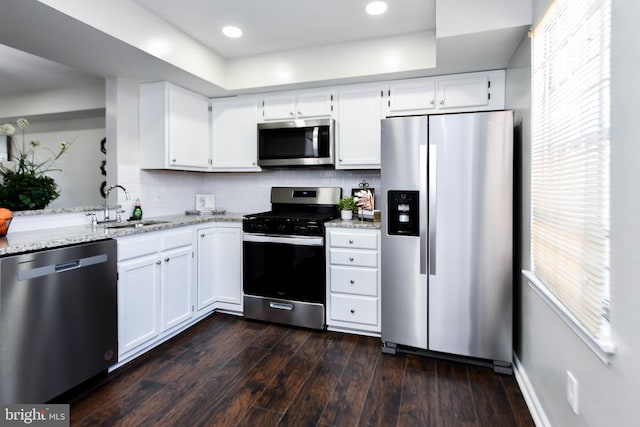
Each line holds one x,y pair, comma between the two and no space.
206,268
234,134
358,128
188,130
220,267
138,302
279,106
411,97
463,92
314,104
176,287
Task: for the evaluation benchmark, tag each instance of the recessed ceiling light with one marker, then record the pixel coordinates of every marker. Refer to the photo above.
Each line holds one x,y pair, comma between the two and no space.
231,31
376,8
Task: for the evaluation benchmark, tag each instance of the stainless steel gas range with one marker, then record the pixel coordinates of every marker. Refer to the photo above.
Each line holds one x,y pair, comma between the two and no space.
284,256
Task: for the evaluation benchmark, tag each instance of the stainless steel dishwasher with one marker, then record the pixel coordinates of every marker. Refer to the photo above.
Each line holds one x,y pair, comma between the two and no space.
58,320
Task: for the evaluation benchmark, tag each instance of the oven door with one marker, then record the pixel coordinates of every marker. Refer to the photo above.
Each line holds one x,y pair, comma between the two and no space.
284,267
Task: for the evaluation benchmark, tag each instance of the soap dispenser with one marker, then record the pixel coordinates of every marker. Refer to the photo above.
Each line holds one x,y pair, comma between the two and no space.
137,211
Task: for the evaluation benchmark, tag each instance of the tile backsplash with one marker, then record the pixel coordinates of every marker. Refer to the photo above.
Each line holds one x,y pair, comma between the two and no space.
173,192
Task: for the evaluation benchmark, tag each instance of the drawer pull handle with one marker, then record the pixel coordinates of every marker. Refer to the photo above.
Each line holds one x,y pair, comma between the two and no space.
166,260
352,311
281,306
158,262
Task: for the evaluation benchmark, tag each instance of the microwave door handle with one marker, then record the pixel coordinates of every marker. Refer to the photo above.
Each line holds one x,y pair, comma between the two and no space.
316,129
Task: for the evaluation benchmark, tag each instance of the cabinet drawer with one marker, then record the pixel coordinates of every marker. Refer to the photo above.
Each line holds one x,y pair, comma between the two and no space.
354,309
177,238
137,246
355,258
361,240
358,281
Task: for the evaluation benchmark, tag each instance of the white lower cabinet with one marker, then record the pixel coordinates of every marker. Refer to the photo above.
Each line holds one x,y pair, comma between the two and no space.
155,288
220,267
353,280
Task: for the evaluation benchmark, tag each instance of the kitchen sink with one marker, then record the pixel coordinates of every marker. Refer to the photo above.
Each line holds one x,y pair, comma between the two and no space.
133,224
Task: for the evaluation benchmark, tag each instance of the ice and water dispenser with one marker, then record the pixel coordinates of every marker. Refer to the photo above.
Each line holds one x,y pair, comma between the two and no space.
403,213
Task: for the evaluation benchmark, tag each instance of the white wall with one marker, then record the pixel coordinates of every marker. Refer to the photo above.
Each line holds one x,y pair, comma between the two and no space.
54,101
80,178
544,344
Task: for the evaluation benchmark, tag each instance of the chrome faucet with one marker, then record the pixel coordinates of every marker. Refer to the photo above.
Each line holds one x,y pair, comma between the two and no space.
106,202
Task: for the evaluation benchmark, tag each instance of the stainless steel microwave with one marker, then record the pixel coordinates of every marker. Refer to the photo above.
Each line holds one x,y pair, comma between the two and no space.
296,143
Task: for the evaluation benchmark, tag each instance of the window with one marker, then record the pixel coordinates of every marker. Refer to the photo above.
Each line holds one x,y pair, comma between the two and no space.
570,159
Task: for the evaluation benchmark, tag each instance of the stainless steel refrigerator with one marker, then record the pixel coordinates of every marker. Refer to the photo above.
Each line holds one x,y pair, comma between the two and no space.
447,203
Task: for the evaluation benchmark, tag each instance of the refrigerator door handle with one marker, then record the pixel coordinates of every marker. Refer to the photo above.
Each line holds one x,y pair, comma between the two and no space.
423,203
433,204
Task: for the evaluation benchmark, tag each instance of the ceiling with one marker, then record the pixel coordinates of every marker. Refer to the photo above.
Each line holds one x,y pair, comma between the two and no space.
279,25
110,38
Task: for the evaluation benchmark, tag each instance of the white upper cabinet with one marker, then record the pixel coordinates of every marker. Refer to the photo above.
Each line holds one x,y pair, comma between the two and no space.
464,92
358,127
173,128
410,96
296,105
447,94
234,134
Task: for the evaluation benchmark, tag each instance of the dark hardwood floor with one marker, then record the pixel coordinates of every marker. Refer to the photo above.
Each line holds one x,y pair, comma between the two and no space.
228,371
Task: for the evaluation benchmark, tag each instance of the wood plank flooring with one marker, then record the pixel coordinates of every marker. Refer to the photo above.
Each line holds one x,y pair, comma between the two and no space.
228,371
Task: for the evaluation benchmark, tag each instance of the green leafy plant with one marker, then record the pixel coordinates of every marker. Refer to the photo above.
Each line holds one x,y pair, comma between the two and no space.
25,184
348,204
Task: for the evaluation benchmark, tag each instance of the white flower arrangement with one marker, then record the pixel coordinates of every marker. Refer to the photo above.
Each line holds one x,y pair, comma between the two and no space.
26,170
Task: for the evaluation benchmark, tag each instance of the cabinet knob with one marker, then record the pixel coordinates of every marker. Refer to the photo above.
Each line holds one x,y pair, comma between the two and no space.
173,160
291,113
158,262
202,235
166,259
299,113
351,241
351,258
442,102
352,281
352,311
433,101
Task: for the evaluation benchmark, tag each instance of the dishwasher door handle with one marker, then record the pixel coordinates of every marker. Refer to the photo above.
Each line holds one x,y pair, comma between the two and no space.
67,266
47,270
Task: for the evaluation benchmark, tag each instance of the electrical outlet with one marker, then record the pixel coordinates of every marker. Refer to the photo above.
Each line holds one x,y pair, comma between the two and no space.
572,391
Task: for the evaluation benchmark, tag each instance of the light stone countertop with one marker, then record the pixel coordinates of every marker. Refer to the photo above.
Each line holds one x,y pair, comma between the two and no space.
352,223
27,241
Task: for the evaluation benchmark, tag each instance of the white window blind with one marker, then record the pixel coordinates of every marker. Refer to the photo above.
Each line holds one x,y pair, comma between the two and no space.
570,158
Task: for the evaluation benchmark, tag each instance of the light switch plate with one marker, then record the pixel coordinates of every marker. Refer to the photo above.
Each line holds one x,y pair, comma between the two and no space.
205,202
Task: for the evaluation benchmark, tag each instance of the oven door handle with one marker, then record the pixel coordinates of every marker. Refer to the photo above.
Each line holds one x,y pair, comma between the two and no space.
297,240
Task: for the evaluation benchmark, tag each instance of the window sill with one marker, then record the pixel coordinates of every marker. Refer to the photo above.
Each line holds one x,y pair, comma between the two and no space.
604,349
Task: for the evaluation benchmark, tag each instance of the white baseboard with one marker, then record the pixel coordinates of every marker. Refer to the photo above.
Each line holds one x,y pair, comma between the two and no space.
529,394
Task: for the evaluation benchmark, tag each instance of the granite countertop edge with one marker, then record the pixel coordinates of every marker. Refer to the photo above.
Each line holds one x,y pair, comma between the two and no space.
353,223
29,241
